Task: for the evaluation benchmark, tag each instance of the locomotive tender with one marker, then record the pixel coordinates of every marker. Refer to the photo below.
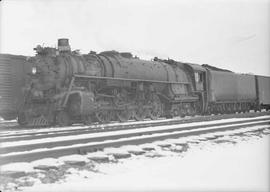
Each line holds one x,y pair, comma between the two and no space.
66,87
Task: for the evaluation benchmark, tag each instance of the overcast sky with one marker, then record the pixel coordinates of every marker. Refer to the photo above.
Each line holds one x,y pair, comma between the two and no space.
232,34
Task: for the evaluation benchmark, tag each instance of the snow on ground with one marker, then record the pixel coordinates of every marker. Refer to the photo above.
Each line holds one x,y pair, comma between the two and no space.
207,166
47,162
26,167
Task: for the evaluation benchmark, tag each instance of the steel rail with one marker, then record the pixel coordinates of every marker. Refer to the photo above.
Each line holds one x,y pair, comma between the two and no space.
88,131
68,148
112,127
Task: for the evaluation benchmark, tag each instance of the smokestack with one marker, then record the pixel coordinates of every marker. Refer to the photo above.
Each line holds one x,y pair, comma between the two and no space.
63,45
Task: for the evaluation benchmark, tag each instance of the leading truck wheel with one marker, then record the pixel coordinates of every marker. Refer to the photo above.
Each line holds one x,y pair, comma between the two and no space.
22,120
63,119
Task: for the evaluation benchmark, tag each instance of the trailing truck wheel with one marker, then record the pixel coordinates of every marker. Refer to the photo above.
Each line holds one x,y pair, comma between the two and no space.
156,110
63,119
87,120
192,111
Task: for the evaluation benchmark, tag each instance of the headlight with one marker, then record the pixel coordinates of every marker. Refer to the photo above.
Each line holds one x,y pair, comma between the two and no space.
34,70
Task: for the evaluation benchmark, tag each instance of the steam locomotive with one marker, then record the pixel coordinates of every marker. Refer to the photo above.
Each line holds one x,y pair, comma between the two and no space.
67,87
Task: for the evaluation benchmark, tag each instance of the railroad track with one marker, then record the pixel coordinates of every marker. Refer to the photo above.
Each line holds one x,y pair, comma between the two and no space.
37,148
27,134
12,126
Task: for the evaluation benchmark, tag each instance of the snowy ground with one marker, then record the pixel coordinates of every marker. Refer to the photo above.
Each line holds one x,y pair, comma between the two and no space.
230,163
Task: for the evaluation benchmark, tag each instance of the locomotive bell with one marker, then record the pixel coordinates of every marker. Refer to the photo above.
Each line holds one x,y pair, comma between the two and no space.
63,45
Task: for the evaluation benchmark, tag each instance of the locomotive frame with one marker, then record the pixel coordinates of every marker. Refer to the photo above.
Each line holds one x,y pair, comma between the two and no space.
147,103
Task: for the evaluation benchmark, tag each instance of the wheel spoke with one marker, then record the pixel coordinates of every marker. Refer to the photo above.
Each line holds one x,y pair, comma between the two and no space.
140,114
123,115
103,116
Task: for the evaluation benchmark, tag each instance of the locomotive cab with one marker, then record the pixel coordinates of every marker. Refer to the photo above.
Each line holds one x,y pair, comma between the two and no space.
199,77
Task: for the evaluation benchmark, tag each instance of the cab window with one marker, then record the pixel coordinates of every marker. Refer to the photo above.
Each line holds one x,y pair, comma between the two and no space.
198,77
201,77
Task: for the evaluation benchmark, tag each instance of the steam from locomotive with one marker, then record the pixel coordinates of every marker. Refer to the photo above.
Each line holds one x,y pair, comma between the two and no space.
66,87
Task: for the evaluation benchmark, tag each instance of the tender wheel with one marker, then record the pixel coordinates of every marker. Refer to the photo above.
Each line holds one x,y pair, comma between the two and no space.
63,119
103,116
227,109
123,115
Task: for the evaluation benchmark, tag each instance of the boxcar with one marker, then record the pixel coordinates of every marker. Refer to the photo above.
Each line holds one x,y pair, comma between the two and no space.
263,91
13,72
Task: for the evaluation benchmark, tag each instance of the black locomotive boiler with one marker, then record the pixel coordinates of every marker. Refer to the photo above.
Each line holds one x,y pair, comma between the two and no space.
66,87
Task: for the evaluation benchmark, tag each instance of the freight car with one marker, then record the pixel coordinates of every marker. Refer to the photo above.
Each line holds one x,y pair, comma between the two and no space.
263,91
13,74
66,87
